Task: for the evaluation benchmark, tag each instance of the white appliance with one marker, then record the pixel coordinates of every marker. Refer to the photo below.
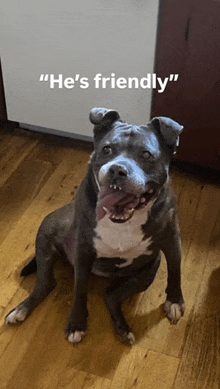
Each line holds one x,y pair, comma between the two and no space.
64,40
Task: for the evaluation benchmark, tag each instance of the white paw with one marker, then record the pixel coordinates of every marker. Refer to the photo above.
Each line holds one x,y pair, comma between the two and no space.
130,338
173,311
76,337
15,316
127,337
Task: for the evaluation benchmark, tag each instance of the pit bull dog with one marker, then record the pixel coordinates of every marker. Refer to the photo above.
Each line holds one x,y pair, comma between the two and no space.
123,216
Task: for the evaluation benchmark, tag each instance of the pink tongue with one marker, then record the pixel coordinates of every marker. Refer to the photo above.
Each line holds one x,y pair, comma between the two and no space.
112,197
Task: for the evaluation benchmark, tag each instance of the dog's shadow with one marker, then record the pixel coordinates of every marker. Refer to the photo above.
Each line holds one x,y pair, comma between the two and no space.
144,319
145,323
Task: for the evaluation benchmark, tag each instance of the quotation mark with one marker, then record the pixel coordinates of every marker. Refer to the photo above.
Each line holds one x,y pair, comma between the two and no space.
44,77
174,77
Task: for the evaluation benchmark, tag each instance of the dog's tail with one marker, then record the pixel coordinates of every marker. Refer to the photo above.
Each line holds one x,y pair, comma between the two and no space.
30,268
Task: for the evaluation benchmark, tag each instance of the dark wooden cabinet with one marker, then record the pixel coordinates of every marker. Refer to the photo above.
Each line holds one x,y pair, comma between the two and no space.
188,44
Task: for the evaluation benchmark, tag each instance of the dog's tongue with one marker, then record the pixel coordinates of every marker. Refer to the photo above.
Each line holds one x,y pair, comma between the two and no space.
110,198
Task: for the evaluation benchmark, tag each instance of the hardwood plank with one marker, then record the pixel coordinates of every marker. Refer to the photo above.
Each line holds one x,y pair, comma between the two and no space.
47,348
200,363
15,198
80,380
1,311
175,339
18,246
144,369
188,202
149,323
197,255
8,289
33,172
13,151
178,182
208,298
194,264
69,378
35,333
17,346
93,382
199,368
7,332
101,349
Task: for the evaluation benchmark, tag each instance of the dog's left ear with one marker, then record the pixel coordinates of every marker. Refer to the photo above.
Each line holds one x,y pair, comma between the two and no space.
102,118
169,129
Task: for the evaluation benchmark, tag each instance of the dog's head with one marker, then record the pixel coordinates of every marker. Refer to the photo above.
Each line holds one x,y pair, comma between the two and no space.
130,163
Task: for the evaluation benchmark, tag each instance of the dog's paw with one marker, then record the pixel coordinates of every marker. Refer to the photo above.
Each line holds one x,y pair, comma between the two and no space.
126,337
16,316
76,328
174,311
76,336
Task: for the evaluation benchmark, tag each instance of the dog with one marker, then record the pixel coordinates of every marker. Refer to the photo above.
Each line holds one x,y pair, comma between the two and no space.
123,216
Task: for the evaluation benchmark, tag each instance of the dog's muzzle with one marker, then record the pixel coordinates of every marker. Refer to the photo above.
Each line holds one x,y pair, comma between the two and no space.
122,191
120,205
120,201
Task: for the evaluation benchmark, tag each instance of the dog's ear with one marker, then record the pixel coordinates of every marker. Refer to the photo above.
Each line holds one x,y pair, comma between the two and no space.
169,130
102,119
98,115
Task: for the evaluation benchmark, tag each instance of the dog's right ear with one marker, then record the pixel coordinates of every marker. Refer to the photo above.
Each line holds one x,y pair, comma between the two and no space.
169,130
102,118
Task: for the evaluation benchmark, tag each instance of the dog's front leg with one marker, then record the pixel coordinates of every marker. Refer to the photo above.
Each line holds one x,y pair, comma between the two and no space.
77,325
174,305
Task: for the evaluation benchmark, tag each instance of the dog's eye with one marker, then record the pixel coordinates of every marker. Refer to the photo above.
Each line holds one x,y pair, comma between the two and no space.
107,150
146,155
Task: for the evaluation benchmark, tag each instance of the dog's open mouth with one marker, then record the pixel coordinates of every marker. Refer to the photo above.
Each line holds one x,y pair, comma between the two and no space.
120,205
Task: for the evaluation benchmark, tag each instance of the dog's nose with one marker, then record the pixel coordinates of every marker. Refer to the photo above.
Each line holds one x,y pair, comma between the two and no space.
118,171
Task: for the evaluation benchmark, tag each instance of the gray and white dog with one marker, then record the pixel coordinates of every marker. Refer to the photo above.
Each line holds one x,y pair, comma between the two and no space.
123,216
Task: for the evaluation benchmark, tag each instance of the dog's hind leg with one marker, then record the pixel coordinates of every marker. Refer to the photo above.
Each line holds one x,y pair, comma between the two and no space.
48,244
30,268
121,290
44,285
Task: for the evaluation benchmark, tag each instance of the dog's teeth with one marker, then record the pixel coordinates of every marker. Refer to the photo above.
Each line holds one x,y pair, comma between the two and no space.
130,211
107,211
143,199
115,186
150,191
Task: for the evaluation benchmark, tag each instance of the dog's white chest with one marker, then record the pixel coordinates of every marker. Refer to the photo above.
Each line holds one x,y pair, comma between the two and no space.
123,240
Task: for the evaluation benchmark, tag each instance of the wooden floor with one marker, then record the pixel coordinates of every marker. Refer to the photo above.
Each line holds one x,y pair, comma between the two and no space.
39,174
